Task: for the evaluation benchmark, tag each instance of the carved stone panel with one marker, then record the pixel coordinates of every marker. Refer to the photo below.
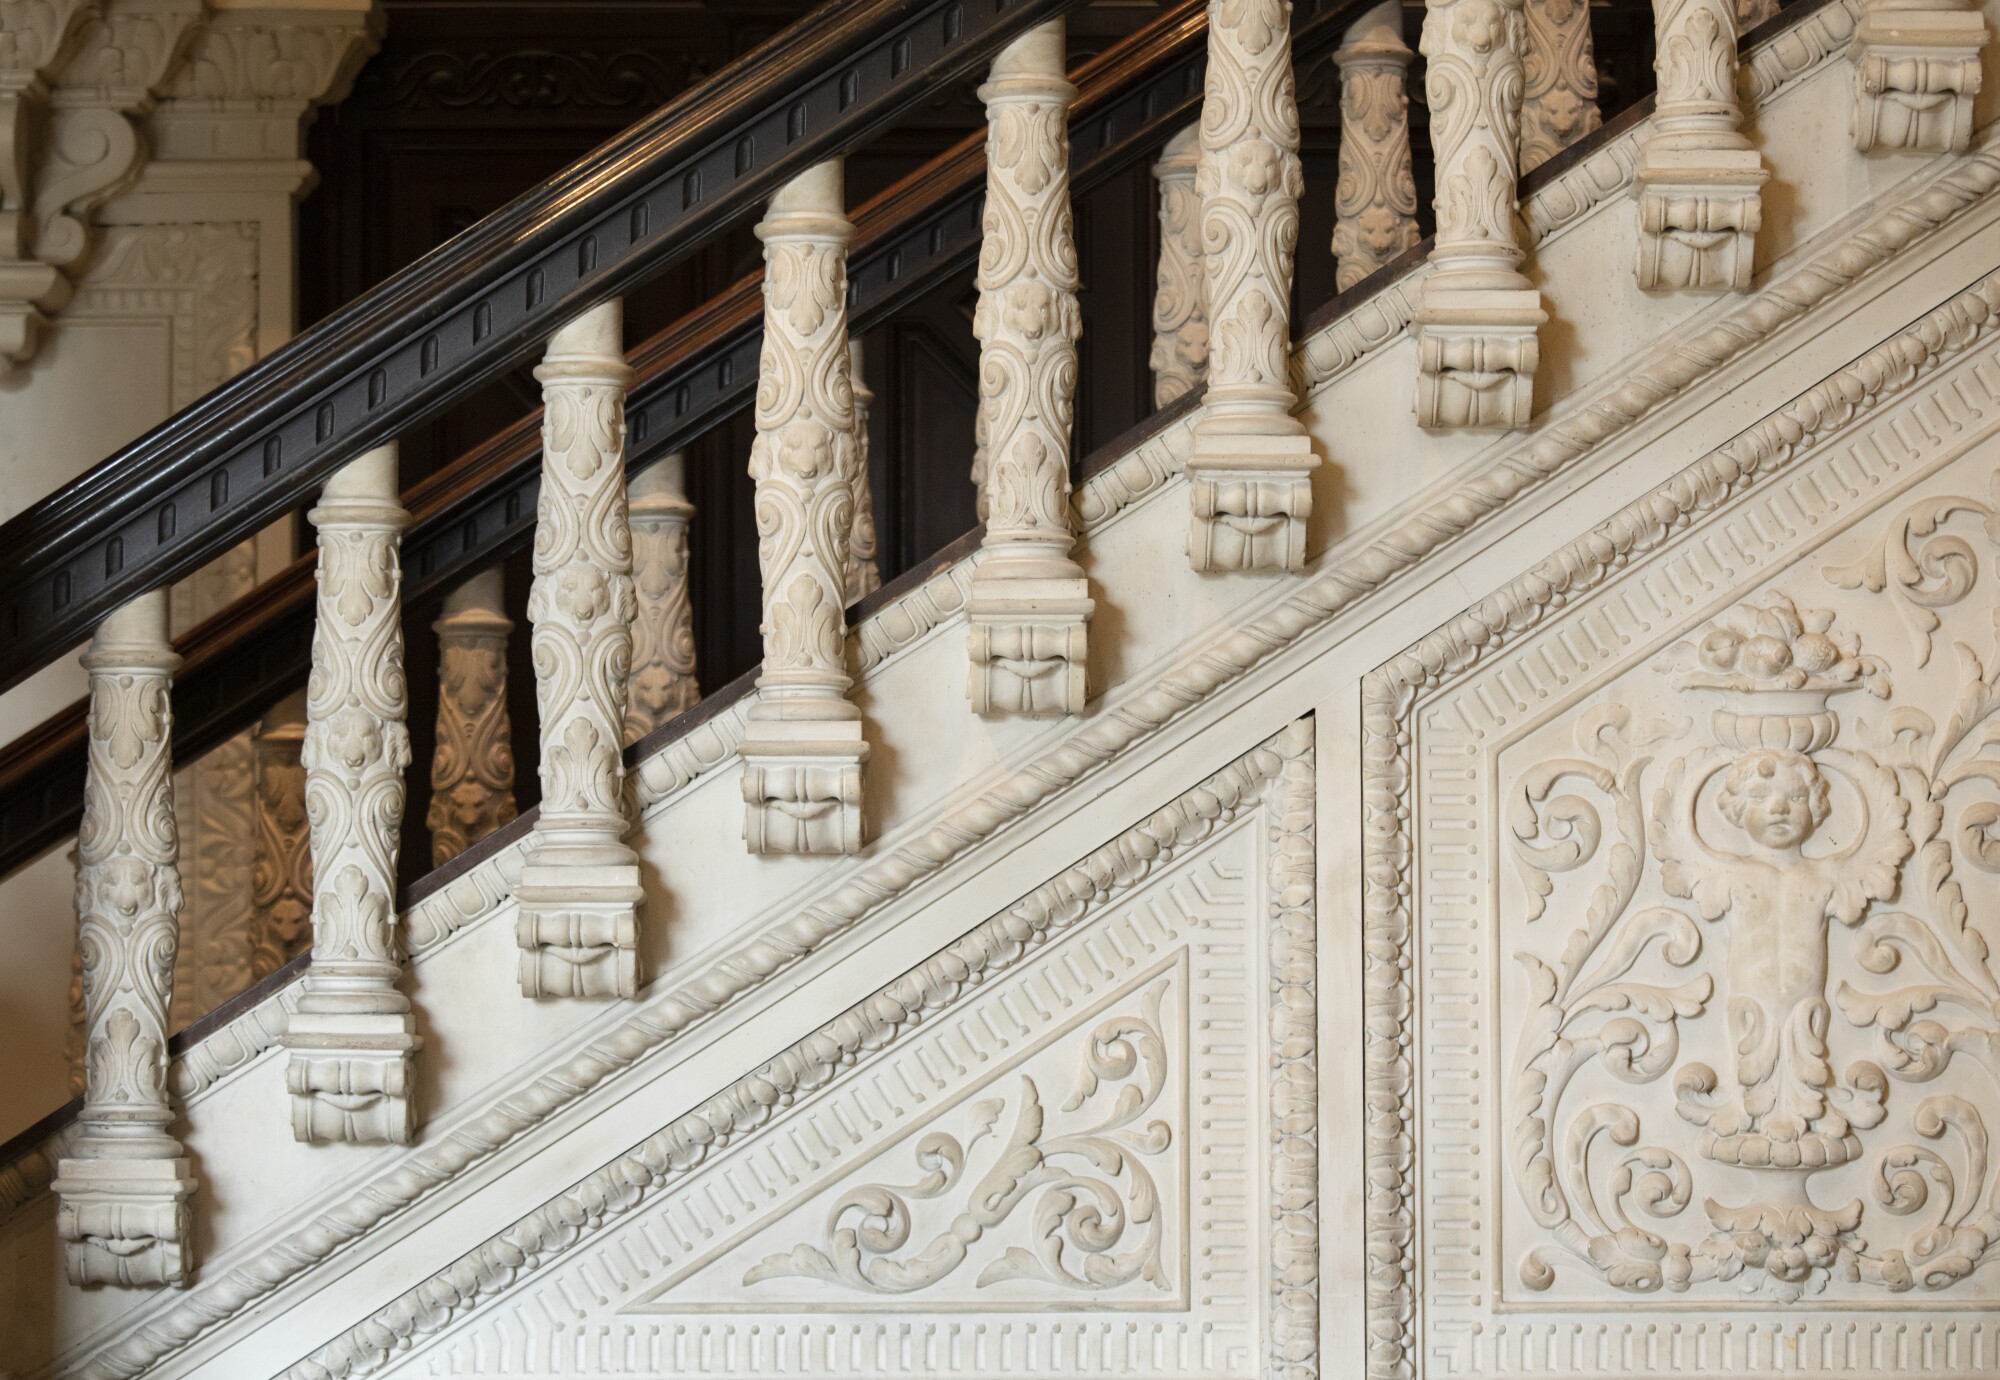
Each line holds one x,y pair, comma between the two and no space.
1686,840
1080,1140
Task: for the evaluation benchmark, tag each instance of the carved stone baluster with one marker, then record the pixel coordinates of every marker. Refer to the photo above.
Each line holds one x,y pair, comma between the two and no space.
662,683
353,1038
1029,603
864,576
1477,317
1559,96
803,751
1250,473
1916,70
1751,13
124,1186
579,894
1698,177
281,878
1375,200
1180,301
472,771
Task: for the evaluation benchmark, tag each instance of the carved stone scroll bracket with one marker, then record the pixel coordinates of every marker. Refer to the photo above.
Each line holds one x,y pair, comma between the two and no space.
803,753
1699,180
125,1185
1250,469
1916,70
1180,298
353,1038
864,576
1029,605
1477,318
663,682
472,773
1375,200
579,894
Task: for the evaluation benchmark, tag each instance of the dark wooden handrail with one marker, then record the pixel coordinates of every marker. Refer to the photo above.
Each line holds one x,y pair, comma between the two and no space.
262,444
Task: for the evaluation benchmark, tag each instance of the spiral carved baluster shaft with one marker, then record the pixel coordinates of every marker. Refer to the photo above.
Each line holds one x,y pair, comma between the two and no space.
662,683
803,754
1180,289
579,894
125,1184
472,771
1477,317
353,1038
1030,605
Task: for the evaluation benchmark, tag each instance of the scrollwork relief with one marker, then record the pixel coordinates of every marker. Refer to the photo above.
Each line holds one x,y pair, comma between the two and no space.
1375,199
472,770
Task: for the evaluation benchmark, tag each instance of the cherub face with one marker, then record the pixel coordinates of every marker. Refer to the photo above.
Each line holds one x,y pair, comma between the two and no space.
1777,798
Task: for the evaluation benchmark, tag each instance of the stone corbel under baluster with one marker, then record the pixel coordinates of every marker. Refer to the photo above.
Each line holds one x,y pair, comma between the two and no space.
1248,508
802,786
1916,70
1477,353
1699,213
1027,640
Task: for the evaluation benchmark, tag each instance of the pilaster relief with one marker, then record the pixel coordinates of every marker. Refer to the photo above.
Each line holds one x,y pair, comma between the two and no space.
1477,317
802,761
1249,476
1559,79
281,880
125,1185
864,577
1698,179
1180,310
579,892
1029,605
662,682
1916,70
1375,200
472,771
1721,817
353,1038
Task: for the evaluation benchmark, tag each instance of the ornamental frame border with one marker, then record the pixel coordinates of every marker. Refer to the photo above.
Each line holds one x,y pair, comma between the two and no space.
1392,695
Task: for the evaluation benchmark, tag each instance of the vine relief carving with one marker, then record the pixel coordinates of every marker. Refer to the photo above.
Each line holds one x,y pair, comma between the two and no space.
1759,922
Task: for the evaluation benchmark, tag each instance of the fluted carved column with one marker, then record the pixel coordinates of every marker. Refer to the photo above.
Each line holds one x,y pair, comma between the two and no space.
662,683
1559,73
1375,200
472,771
1029,604
353,1038
579,894
1477,317
1180,289
125,1185
281,877
1916,70
803,752
1250,473
1698,179
864,576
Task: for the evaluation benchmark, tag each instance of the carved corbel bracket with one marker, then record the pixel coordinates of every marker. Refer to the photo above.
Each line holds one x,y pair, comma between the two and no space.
1916,70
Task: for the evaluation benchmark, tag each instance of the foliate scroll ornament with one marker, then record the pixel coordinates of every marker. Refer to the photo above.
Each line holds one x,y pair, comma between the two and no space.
1029,605
803,754
1477,317
124,1187
1250,471
1076,1182
1559,70
1916,70
579,891
472,771
1180,309
1375,200
353,1038
281,878
662,682
1782,835
864,576
1698,180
